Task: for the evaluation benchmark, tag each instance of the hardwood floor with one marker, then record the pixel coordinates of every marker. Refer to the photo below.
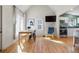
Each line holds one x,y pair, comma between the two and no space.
43,45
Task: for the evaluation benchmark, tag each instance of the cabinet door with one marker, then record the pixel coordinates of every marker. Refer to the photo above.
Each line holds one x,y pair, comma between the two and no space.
70,32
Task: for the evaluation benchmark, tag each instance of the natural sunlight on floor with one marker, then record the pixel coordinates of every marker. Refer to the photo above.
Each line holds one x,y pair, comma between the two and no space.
56,41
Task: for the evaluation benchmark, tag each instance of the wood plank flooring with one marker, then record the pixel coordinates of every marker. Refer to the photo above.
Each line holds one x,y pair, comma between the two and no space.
43,45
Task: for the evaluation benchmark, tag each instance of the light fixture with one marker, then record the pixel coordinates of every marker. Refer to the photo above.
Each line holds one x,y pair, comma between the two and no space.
71,9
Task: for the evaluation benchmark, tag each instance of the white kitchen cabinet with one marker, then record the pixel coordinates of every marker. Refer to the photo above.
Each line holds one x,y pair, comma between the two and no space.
70,32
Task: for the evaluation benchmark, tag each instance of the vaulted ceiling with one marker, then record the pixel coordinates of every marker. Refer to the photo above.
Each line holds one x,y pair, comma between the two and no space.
23,8
58,9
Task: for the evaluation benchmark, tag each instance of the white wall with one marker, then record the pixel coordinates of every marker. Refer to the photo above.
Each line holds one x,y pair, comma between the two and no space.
7,26
39,12
0,28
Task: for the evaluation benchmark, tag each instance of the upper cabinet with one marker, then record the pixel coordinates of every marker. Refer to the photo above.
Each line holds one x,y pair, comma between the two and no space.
69,21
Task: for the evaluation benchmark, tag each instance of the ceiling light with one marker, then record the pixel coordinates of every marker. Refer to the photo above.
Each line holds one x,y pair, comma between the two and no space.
71,9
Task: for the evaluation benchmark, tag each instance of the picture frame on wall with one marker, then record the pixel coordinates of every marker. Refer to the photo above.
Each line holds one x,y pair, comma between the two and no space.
40,24
31,23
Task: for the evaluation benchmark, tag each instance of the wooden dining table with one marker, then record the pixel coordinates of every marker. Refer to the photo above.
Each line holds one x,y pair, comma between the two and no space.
23,33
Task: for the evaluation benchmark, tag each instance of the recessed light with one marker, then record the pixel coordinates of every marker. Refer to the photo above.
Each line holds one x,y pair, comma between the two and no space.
71,9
